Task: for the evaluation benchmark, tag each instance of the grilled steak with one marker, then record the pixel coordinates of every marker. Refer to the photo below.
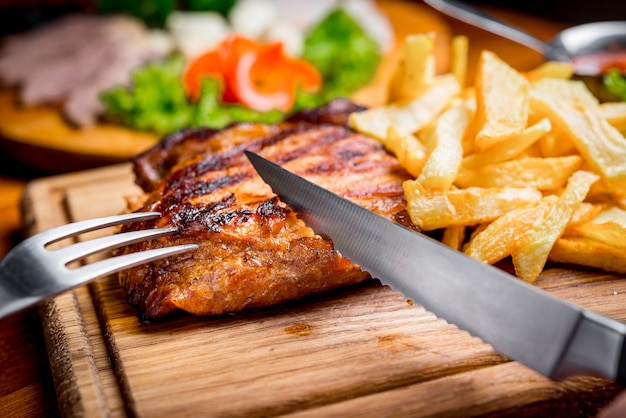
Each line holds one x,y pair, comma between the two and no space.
254,251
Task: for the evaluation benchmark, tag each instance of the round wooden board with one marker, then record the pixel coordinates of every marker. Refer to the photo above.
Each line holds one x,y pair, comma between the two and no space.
41,138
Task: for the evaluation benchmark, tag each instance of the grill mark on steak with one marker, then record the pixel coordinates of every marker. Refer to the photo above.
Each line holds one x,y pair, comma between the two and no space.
320,139
155,163
232,156
254,251
188,188
188,182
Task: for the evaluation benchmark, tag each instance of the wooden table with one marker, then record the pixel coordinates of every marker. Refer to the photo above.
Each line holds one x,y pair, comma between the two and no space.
26,387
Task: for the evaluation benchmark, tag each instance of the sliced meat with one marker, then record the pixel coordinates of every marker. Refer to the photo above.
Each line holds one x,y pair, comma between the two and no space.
129,47
72,61
53,81
26,52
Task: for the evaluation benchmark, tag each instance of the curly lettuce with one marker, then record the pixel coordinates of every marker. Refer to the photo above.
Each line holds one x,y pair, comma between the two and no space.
156,101
343,52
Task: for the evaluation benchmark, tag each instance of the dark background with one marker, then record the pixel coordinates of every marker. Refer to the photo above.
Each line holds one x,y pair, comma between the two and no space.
573,12
19,15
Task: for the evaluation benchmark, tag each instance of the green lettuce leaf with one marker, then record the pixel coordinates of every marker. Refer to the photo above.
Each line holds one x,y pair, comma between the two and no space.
156,101
343,52
211,112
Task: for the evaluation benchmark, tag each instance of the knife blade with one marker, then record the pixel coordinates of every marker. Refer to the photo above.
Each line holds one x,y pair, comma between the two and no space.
556,338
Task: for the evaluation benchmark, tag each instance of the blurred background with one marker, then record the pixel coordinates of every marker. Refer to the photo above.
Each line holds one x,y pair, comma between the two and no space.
18,15
566,11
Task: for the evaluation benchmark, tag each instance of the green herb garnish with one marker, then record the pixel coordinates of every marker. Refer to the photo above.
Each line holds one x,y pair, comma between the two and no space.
156,101
615,84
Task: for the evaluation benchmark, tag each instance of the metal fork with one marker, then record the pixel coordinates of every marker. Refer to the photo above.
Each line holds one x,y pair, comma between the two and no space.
31,272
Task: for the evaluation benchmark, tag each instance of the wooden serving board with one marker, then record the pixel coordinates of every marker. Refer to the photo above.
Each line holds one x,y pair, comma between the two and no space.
360,350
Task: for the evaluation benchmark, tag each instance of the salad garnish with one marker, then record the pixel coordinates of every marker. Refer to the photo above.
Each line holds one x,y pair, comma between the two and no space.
243,79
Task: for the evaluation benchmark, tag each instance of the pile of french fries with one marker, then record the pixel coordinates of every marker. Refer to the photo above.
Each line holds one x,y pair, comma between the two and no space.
527,165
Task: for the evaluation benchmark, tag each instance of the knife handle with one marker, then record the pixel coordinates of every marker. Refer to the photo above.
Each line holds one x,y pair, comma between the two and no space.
596,348
621,368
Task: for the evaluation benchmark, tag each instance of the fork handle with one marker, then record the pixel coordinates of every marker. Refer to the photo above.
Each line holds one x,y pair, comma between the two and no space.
11,303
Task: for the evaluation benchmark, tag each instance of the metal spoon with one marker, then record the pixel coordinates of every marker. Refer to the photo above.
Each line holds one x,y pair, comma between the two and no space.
570,45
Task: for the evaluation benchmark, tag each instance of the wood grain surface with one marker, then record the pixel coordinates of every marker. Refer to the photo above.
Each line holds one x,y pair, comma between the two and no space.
26,387
360,348
488,387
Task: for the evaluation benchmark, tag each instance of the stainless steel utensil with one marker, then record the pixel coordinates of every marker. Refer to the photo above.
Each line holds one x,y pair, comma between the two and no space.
570,45
551,336
31,272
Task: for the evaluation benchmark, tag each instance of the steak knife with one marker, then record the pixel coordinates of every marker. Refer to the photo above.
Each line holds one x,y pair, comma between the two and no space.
556,338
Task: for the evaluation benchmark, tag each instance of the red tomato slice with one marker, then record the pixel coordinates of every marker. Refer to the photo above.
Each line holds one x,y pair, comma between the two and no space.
269,79
260,94
261,77
218,63
230,51
207,65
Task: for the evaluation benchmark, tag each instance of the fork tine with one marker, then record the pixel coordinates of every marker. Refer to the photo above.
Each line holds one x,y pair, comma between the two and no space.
109,242
70,230
119,263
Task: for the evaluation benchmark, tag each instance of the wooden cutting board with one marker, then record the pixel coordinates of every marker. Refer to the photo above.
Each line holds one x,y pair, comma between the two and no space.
360,350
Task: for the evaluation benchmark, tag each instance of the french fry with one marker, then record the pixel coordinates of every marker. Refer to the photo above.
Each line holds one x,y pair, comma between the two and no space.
609,227
502,102
572,108
458,61
567,91
539,171
601,193
408,149
436,208
556,144
612,214
416,69
446,149
588,252
615,114
454,236
494,242
532,249
407,117
547,174
551,69
509,150
584,212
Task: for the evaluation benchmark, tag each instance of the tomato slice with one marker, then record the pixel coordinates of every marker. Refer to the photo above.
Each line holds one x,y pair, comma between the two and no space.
230,52
218,63
268,79
207,65
258,76
260,93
